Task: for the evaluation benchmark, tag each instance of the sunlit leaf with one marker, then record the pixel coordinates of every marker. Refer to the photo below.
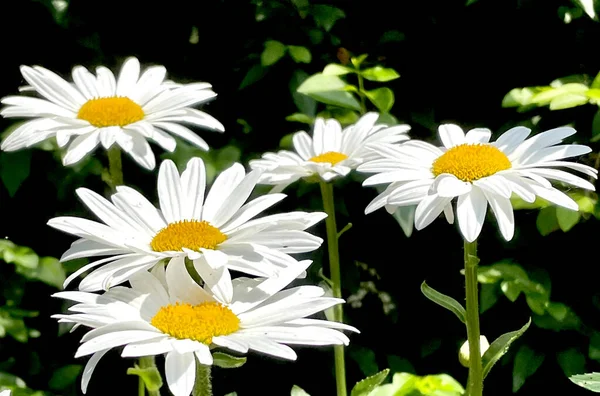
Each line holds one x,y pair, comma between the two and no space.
499,347
546,221
566,218
297,391
322,83
365,386
300,54
382,98
334,69
273,52
590,381
304,103
380,74
225,360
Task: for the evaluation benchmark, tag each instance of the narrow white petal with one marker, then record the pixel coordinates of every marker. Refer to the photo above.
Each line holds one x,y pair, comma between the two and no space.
82,145
180,370
511,139
470,210
169,191
139,208
565,177
147,348
128,77
193,185
250,210
115,339
234,201
286,309
303,145
555,196
184,133
231,343
448,186
145,282
451,135
478,135
495,185
449,213
429,209
269,347
222,187
203,355
89,368
181,285
106,82
503,211
141,152
212,269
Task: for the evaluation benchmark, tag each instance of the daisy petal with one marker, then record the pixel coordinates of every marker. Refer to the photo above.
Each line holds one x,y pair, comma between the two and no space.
470,210
180,370
451,135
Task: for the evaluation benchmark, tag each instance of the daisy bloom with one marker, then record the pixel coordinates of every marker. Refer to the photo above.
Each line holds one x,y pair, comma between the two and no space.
135,235
477,172
101,109
330,153
166,312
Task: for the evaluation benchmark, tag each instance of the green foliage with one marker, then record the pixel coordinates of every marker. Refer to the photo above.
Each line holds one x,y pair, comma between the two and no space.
150,375
224,360
589,381
297,391
444,301
405,384
365,386
499,347
14,169
526,363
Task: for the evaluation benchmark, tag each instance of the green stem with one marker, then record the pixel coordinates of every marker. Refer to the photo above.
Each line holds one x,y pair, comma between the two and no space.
336,281
203,385
146,362
361,94
475,381
115,168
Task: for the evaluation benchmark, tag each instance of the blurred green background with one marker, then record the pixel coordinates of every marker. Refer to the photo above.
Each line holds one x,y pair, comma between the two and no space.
457,62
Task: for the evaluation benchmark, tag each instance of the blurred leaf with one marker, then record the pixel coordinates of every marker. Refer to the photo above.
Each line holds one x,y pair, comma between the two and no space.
304,103
388,119
568,101
445,301
382,98
326,16
337,98
488,297
9,380
14,169
358,60
334,69
297,391
365,386
546,221
594,348
571,361
15,327
299,117
392,36
300,54
596,82
273,52
321,83
511,290
64,377
499,347
566,218
365,358
344,116
255,73
590,381
398,364
49,271
380,74
18,255
224,360
150,375
588,7
405,216
227,156
596,126
518,97
406,384
558,317
526,363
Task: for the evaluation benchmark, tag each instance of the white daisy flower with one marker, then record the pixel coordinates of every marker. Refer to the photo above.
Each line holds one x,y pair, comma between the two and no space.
166,312
478,173
101,109
330,153
221,228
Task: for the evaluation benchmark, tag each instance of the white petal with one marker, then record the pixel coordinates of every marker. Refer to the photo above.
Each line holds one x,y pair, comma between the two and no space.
85,81
451,135
449,213
212,269
169,191
183,132
180,370
448,186
193,185
303,145
128,77
555,174
264,345
141,152
114,339
555,196
429,209
181,285
286,309
82,145
89,369
203,355
234,201
470,210
511,139
495,185
145,282
222,187
250,210
139,208
231,343
305,335
106,83
478,135
147,348
503,211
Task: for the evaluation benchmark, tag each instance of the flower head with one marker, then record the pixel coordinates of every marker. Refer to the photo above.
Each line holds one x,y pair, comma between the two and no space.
478,173
221,229
330,153
101,109
167,312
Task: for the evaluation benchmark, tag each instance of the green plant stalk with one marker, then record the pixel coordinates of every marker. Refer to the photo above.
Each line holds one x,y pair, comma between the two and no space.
202,385
146,362
475,381
115,167
336,281
361,93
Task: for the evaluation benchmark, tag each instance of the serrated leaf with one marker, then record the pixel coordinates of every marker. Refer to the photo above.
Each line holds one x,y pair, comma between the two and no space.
64,376
224,360
590,381
445,301
566,218
382,98
380,74
499,347
364,387
300,54
297,391
273,52
527,361
14,169
333,69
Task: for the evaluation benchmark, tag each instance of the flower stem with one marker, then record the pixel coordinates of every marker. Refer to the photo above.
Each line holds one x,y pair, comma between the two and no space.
115,168
475,381
334,269
361,94
203,385
146,362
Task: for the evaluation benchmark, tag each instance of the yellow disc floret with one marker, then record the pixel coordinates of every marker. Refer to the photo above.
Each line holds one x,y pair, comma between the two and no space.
112,111
333,157
469,162
190,234
199,322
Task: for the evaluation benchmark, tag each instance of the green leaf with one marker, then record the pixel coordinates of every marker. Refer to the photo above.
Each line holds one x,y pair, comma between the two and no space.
15,327
65,376
594,349
380,74
571,361
337,98
588,7
518,97
300,54
224,360
326,16
566,218
358,60
590,381
365,358
568,101
20,256
526,363
14,169
546,221
398,364
274,50
596,82
10,380
445,301
387,118
364,387
297,391
299,117
511,290
382,98
488,297
150,376
499,347
320,82
256,73
49,271
304,103
333,69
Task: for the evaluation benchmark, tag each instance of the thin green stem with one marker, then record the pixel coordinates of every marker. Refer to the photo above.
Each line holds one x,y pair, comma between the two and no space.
336,281
115,168
361,93
146,362
203,385
475,381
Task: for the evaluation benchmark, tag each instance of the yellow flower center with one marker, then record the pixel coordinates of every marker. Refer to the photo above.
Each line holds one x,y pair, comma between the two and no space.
333,157
191,234
469,162
112,111
199,322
